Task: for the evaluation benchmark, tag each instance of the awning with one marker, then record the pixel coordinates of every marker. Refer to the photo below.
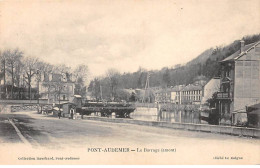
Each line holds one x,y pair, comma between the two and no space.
77,96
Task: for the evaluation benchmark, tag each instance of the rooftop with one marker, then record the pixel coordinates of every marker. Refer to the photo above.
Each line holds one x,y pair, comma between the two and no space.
238,53
192,87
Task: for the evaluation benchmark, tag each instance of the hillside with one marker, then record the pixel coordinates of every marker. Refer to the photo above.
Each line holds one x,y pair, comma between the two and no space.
201,58
206,64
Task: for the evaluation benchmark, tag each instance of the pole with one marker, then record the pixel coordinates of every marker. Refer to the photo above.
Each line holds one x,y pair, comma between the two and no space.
4,72
30,92
59,101
38,96
101,91
5,80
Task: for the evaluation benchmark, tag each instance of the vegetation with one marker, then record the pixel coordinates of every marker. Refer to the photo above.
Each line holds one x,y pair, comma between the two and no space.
21,71
206,65
18,70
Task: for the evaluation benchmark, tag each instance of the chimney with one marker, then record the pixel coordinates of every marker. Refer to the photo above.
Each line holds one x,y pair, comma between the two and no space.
242,48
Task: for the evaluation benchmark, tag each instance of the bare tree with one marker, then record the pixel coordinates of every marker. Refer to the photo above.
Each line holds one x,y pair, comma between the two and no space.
45,69
82,72
80,75
18,73
2,67
12,59
62,68
30,69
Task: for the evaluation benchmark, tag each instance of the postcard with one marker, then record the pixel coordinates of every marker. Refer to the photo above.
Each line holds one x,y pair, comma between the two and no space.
129,82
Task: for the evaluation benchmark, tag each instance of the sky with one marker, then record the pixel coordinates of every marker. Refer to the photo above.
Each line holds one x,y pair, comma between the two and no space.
124,34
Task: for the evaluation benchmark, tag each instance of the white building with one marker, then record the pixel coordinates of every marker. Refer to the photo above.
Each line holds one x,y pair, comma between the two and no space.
210,88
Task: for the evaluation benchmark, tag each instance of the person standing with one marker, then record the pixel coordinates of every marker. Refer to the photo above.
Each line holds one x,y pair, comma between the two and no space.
72,113
59,114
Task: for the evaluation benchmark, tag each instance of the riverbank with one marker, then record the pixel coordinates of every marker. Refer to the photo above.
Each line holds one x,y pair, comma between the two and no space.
229,130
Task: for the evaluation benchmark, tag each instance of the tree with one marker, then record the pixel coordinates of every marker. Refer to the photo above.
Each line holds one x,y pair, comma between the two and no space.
81,71
166,78
62,68
97,89
142,79
18,73
45,69
113,75
30,69
81,74
2,67
132,97
12,61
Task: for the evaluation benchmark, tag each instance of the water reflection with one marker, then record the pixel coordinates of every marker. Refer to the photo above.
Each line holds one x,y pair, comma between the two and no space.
184,116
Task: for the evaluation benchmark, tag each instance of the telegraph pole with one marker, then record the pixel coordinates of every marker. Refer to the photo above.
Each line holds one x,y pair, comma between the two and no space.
146,86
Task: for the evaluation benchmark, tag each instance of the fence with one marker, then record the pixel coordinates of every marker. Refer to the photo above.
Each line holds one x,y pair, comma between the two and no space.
30,107
148,105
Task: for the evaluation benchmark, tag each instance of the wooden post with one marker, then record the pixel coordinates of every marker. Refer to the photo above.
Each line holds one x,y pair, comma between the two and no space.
180,115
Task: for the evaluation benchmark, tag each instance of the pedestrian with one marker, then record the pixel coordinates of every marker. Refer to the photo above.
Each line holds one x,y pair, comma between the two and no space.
59,114
72,113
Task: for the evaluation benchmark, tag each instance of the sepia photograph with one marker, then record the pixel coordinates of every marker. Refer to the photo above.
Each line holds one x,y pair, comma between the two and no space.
129,82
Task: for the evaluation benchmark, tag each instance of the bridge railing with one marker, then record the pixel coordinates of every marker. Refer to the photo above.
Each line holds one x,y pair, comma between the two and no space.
31,107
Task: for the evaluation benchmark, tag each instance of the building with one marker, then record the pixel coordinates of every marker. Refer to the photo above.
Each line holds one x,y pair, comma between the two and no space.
56,87
213,86
253,113
180,94
145,96
163,95
240,83
192,94
176,94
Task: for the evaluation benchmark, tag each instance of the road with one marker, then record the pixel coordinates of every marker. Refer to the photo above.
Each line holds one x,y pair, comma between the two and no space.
46,135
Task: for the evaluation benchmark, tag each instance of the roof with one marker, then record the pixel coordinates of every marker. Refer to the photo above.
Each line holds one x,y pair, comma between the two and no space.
177,88
238,54
130,91
56,77
192,87
163,90
67,103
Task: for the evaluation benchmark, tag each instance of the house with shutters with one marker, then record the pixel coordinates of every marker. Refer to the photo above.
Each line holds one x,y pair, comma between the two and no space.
192,94
240,84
